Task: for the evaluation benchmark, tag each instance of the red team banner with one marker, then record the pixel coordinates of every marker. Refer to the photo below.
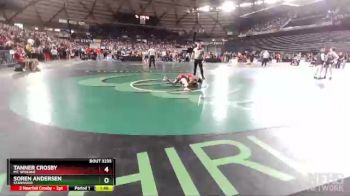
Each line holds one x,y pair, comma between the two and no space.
97,174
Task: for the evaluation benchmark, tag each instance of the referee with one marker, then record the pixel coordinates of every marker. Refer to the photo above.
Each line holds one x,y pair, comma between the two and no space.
152,57
198,54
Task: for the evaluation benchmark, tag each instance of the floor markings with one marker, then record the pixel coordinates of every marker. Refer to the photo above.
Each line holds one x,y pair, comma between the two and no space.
36,193
2,181
291,163
76,193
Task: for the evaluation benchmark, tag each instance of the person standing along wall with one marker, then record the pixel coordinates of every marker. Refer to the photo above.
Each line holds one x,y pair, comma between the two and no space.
331,60
320,60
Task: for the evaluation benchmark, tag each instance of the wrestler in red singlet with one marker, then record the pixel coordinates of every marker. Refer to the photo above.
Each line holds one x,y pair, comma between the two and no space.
187,76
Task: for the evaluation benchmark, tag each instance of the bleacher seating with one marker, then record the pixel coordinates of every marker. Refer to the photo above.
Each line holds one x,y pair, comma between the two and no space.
303,21
293,43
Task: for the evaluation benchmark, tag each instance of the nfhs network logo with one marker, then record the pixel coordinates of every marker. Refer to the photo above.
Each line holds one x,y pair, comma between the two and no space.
327,182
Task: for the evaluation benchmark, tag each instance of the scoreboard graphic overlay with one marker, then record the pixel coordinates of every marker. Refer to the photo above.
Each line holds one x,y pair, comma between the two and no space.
96,174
